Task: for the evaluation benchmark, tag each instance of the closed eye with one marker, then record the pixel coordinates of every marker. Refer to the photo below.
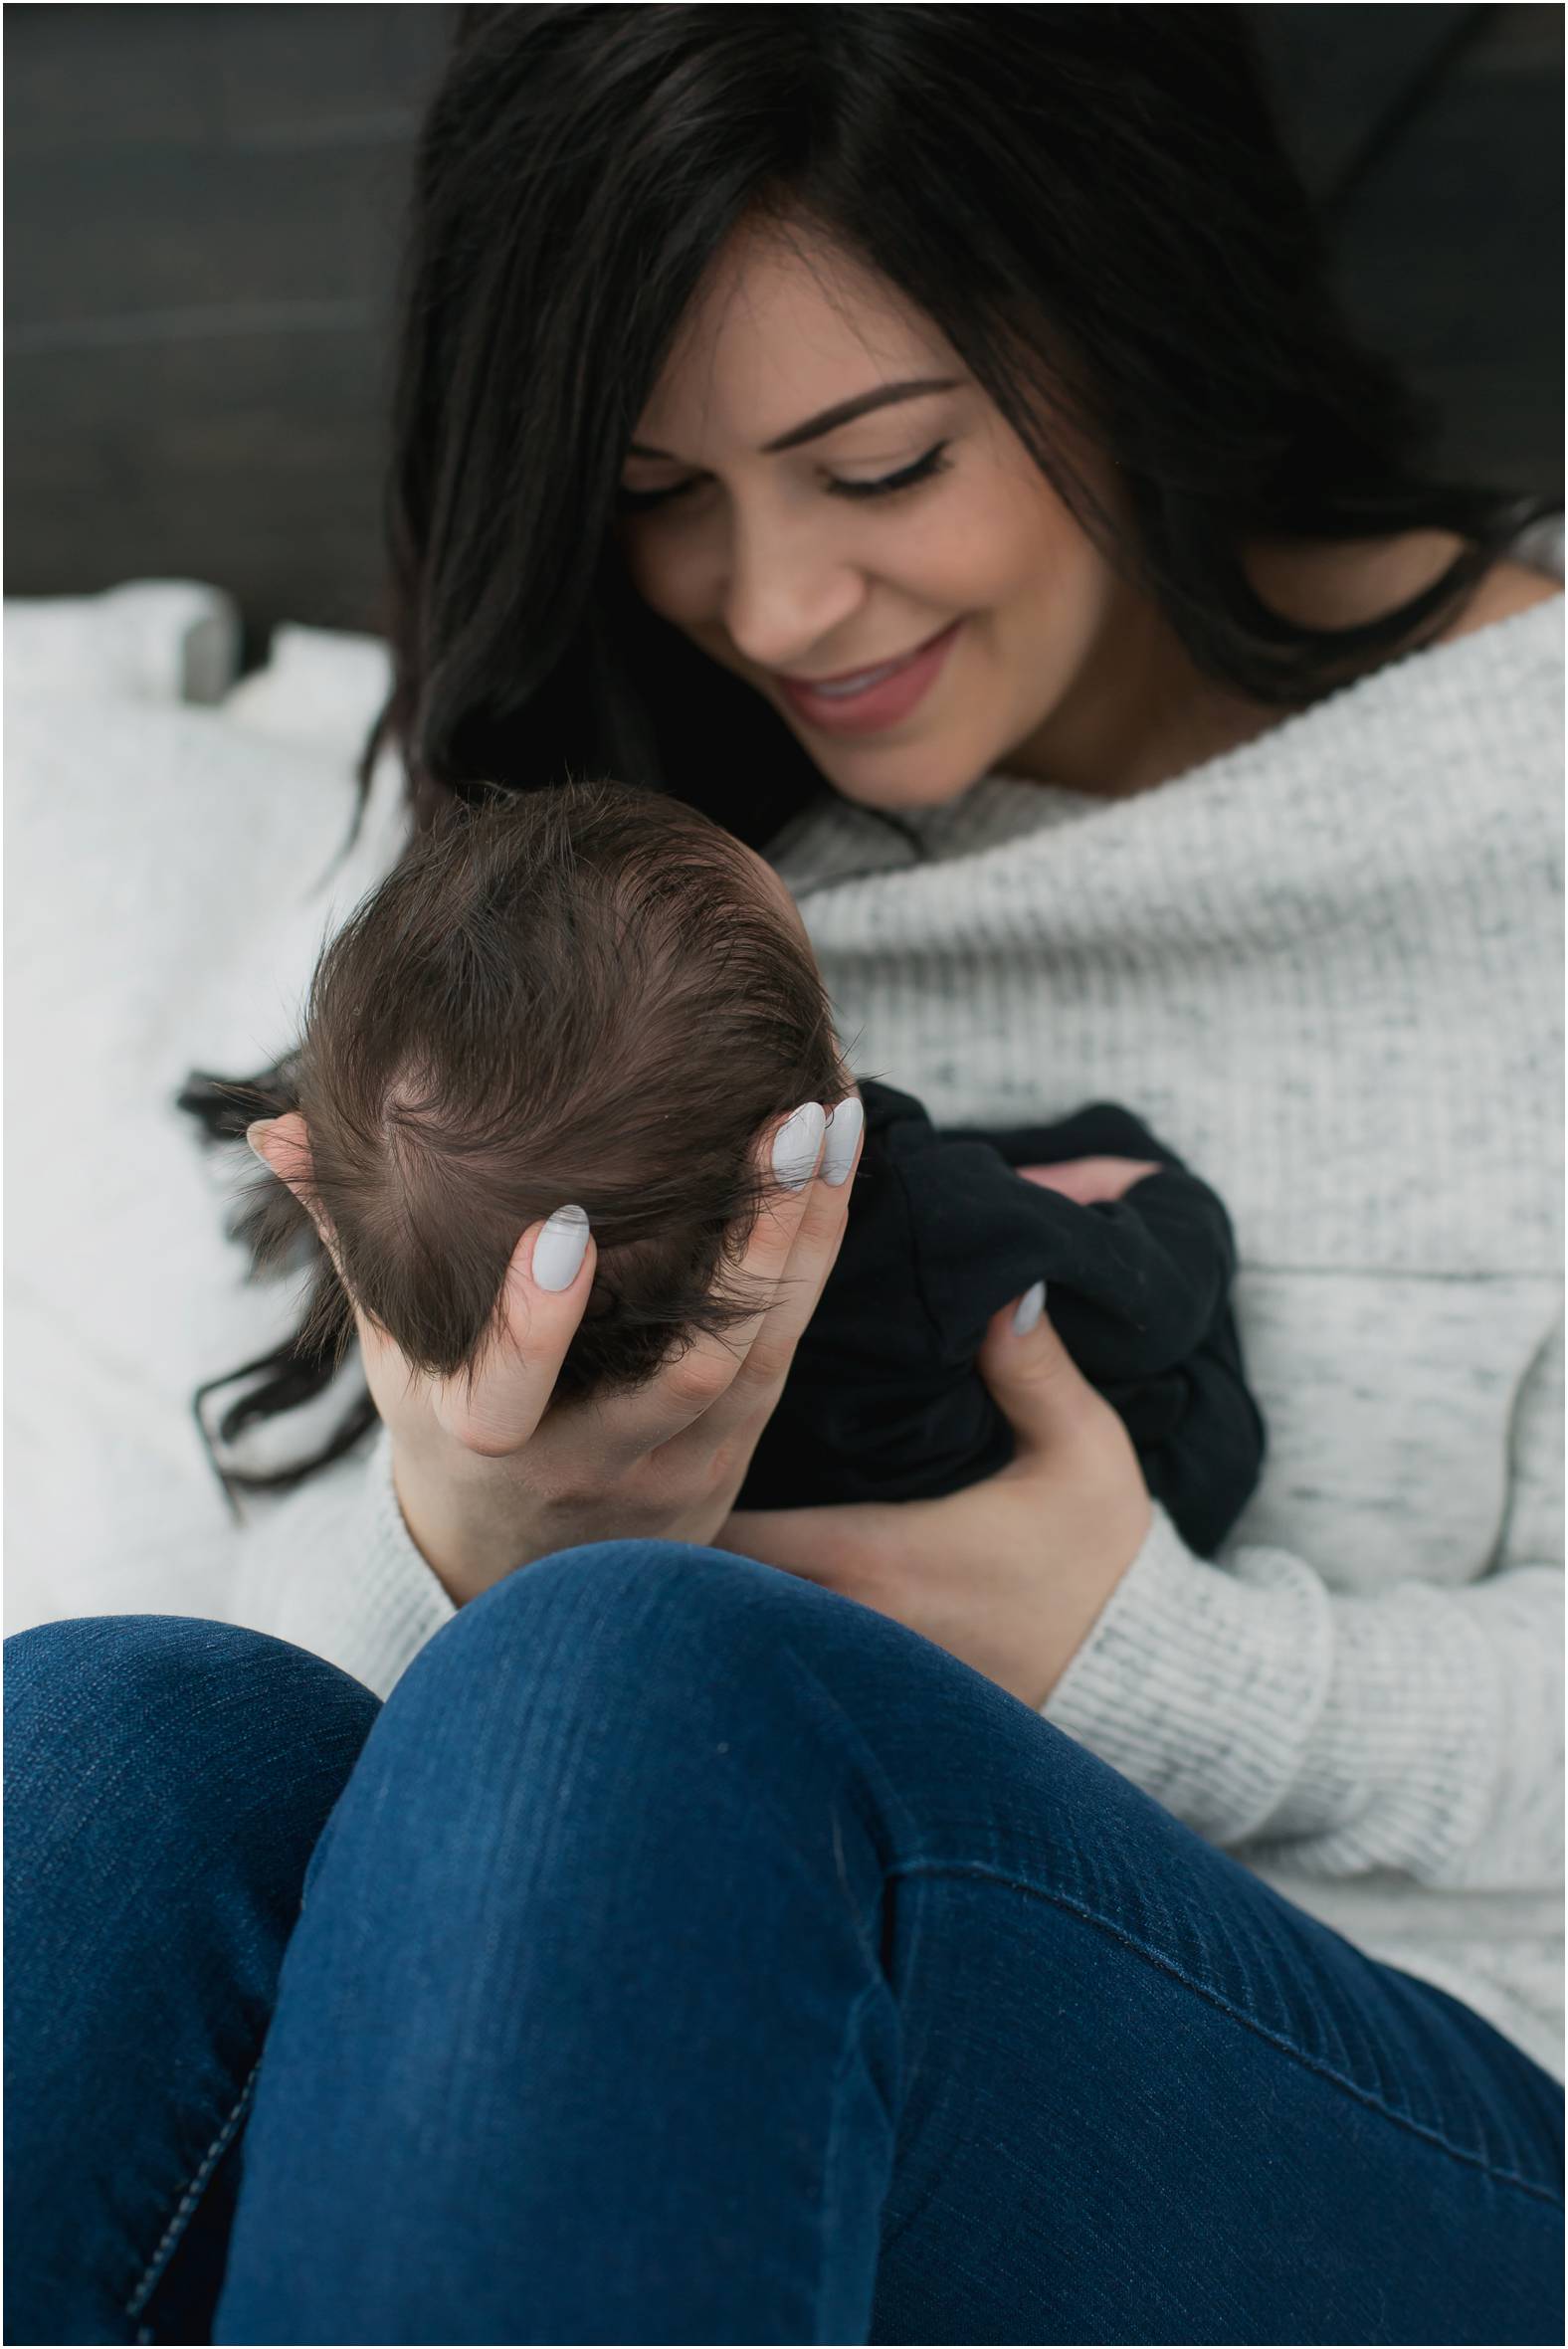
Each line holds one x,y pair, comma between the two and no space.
923,469
933,461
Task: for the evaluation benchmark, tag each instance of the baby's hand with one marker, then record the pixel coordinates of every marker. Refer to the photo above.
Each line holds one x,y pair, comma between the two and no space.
1090,1179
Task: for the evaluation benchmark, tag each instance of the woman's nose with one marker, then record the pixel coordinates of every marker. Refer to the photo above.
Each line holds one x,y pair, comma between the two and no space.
786,595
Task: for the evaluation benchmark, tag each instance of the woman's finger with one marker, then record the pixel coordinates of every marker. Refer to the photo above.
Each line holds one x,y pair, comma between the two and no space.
692,1388
687,1389
760,1378
742,1406
496,1407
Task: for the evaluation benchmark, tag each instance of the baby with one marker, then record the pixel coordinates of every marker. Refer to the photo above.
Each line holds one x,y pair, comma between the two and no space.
595,994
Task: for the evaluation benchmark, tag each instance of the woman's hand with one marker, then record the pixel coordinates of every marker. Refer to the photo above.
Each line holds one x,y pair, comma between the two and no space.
489,1475
1011,1574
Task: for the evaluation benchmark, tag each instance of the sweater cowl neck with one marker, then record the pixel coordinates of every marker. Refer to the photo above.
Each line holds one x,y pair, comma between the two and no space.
835,842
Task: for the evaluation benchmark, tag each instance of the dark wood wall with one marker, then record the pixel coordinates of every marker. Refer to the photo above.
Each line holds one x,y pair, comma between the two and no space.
203,214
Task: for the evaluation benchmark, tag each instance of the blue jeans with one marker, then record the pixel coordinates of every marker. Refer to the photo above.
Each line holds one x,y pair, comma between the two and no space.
685,1953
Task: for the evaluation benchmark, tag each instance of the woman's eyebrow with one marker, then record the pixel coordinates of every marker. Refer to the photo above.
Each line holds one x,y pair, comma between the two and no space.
829,420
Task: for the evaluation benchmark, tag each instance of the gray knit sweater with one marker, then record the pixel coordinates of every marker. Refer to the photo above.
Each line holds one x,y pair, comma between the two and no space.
1328,967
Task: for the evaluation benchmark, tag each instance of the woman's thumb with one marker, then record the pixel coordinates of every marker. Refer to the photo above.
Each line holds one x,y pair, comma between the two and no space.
1029,1370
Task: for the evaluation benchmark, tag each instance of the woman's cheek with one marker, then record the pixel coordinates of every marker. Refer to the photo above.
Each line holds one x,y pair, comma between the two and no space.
977,552
655,577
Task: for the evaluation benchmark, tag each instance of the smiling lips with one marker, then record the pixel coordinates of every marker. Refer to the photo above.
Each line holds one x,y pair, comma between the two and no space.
864,700
852,681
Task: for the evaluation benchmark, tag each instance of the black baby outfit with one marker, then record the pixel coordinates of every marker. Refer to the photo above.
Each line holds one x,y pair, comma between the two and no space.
883,1402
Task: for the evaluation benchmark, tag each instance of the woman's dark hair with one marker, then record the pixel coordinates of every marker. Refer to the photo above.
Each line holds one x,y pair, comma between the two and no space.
588,996
1090,203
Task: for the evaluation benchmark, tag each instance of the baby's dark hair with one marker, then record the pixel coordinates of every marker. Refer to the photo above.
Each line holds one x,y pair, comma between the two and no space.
582,996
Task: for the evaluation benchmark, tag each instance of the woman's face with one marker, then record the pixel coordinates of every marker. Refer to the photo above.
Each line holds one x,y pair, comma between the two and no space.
817,490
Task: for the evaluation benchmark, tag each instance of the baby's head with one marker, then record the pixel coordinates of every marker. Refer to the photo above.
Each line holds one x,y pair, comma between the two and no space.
588,995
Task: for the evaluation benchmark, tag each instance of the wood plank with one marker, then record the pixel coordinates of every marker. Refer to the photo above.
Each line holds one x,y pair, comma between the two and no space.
93,77
1337,73
182,227
1452,261
255,464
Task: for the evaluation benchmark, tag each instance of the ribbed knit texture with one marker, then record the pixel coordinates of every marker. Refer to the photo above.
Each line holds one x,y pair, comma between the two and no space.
1327,968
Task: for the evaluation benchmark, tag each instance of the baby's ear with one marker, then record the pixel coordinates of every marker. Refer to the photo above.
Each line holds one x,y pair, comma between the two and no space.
283,1144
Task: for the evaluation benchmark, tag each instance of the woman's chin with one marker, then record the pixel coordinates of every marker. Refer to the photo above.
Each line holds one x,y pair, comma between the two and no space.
915,775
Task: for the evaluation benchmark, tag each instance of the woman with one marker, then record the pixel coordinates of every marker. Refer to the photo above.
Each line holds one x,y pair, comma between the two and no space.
922,441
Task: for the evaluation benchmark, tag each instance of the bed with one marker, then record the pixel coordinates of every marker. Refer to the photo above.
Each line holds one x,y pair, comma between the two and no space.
173,836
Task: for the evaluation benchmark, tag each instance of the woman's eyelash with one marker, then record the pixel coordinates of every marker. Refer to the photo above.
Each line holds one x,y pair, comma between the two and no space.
934,460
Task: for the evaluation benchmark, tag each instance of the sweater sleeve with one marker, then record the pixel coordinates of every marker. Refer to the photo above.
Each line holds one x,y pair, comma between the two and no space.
334,1569
1420,1729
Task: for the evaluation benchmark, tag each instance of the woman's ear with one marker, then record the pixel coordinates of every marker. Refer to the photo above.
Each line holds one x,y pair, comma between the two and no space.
283,1145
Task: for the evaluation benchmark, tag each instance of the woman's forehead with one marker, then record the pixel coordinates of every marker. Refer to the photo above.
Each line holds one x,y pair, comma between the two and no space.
783,327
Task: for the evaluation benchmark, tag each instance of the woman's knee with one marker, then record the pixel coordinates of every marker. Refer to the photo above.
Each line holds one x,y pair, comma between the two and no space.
121,1725
131,1674
644,1620
617,1714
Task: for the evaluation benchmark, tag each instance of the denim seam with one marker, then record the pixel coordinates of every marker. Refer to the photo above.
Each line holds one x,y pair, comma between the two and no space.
170,2240
1260,2031
836,2109
893,1811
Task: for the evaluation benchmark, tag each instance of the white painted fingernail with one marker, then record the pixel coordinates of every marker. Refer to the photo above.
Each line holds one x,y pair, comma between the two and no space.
796,1145
560,1247
844,1131
1029,1308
